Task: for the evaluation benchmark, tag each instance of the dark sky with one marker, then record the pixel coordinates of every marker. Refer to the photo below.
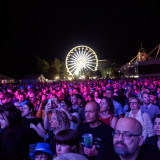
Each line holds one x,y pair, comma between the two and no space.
113,29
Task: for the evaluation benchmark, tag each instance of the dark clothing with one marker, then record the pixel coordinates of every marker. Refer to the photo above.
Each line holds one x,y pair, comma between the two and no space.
32,135
157,104
49,138
106,152
146,153
15,147
80,111
101,134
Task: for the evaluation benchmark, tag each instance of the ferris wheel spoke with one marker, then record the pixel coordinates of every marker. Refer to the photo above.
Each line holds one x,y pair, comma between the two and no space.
71,64
84,54
70,68
73,58
74,55
88,55
72,61
91,57
90,64
90,68
73,70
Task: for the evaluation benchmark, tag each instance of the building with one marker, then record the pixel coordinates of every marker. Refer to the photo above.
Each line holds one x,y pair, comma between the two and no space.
143,65
33,78
6,79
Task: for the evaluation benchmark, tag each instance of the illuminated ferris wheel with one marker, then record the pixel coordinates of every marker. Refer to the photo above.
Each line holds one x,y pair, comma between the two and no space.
81,59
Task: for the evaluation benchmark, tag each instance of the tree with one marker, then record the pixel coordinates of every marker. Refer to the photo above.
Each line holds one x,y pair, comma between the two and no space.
108,72
55,68
45,68
64,72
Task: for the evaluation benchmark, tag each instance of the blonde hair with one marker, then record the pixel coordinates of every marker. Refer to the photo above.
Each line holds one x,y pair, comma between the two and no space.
62,118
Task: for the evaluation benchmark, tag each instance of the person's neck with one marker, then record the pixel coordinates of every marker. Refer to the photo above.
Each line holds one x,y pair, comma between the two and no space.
29,116
95,123
74,106
134,112
131,157
146,104
105,114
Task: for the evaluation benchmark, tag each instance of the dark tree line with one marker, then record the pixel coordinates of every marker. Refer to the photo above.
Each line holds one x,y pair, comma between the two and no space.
17,66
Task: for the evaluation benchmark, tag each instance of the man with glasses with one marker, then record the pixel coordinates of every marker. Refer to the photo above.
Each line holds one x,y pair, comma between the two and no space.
128,141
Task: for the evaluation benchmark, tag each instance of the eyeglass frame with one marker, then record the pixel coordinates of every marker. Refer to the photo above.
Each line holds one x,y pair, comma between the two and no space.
129,134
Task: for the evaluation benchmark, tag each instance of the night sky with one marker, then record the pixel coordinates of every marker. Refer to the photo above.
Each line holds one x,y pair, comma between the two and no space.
114,30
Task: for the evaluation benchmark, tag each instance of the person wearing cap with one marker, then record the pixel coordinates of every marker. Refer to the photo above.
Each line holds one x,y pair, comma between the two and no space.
42,152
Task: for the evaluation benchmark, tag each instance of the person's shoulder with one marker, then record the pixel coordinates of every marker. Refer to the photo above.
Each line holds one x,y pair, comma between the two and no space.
105,126
154,106
147,152
116,103
84,125
38,119
23,118
83,128
75,114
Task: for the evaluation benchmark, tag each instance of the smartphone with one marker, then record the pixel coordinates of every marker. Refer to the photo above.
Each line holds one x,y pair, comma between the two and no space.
49,103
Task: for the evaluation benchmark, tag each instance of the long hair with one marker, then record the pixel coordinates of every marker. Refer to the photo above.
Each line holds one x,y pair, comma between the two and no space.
62,118
13,116
110,104
12,135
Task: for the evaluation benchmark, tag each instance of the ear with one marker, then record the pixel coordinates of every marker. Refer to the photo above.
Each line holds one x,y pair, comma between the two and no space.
140,140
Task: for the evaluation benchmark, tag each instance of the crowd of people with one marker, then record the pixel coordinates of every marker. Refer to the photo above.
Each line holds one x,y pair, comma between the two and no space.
87,120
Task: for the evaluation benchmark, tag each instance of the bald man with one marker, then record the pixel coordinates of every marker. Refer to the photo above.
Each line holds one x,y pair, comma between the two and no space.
128,141
100,131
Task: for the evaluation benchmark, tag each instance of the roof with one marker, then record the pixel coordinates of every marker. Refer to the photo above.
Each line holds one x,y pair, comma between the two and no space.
3,77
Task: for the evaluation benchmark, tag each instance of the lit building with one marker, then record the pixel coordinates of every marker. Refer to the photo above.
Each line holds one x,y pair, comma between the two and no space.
143,65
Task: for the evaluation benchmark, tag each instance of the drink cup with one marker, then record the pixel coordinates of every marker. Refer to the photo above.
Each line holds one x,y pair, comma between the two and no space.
88,139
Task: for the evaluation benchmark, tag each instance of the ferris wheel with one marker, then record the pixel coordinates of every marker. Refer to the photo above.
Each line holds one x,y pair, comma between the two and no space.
81,59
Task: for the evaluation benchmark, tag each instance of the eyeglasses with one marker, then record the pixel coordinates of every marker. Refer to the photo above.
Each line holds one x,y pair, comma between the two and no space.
126,135
133,102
